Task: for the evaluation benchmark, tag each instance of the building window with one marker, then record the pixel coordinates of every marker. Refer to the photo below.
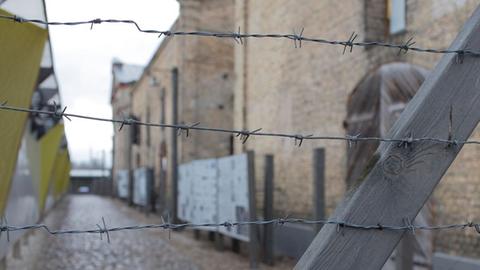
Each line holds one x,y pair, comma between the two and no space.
135,132
396,12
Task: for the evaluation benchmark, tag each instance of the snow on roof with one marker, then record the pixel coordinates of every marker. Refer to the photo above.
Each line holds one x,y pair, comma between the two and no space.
126,73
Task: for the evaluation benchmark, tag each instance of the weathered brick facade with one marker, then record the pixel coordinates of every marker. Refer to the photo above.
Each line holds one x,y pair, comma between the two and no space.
270,84
305,90
124,76
205,68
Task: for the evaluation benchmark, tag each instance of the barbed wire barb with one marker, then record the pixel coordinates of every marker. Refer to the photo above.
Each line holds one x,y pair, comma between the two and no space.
459,57
5,228
409,225
100,231
126,122
105,229
282,221
95,21
298,38
185,128
17,19
352,140
298,139
349,42
239,36
58,114
405,47
407,142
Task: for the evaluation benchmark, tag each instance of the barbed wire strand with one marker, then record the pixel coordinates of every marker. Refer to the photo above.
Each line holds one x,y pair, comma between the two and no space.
239,36
278,221
244,135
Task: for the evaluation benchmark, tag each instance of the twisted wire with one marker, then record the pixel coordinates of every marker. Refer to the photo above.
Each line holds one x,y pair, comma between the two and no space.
239,36
244,135
278,221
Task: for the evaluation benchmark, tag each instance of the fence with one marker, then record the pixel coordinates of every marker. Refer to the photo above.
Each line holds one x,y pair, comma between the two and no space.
361,225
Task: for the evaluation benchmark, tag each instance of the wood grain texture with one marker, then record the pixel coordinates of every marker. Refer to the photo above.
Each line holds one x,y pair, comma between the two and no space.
401,179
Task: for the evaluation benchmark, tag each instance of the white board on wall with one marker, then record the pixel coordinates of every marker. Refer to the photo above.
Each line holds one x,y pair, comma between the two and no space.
233,195
142,185
122,183
215,191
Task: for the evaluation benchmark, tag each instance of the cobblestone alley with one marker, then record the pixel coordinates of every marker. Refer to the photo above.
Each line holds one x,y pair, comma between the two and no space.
146,249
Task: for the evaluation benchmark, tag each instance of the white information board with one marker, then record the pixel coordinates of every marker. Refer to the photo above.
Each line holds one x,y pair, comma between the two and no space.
122,183
233,195
140,187
142,180
215,191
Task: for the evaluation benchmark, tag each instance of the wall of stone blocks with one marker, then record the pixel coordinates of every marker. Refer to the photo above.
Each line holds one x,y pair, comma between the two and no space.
304,90
121,107
205,68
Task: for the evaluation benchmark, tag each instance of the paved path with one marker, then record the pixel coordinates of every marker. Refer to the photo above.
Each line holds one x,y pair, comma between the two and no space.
146,249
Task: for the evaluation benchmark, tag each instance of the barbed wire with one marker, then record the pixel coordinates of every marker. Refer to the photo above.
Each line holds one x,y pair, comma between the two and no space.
408,226
238,36
244,135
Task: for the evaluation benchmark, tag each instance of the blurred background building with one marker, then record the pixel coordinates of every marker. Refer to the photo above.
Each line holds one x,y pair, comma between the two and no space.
203,82
314,89
310,90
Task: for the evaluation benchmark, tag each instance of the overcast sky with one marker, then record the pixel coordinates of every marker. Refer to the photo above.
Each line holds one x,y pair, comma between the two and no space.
83,60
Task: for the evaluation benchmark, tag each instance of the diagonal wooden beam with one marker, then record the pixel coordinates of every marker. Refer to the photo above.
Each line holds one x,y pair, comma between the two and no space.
401,179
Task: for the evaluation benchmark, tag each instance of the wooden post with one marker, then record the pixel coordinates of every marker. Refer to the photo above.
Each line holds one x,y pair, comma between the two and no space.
253,229
174,161
401,177
268,256
319,186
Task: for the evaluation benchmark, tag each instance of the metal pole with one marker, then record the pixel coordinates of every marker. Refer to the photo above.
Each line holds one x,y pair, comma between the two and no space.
268,210
129,135
404,253
319,185
253,247
174,162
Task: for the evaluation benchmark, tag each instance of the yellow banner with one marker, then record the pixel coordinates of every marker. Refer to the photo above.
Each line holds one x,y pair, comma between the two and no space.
66,176
21,48
49,146
61,173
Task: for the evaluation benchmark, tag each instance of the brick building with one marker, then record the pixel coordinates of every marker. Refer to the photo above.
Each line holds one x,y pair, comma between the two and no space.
205,95
270,84
305,90
124,77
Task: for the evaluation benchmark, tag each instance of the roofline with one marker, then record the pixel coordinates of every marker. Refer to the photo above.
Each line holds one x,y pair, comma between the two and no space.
159,50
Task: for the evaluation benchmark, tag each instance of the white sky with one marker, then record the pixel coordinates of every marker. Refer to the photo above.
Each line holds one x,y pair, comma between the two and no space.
83,60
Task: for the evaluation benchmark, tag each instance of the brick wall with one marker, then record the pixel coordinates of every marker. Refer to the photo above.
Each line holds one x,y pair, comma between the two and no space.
280,88
205,68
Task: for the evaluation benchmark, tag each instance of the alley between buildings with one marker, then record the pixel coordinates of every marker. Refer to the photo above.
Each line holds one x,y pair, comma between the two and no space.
145,249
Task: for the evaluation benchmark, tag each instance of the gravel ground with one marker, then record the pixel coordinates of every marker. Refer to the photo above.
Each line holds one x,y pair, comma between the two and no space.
146,249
